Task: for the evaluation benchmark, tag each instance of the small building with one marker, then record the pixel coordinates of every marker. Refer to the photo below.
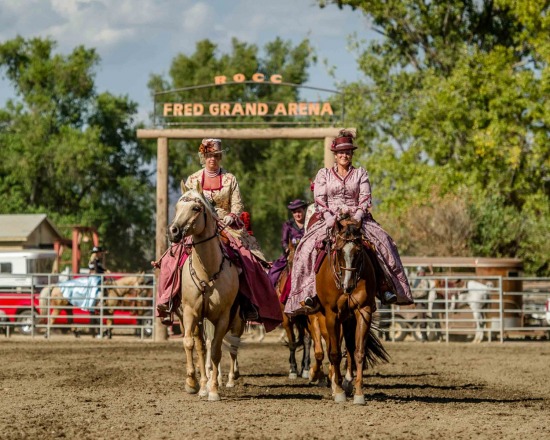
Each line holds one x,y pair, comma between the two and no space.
27,246
27,231
507,268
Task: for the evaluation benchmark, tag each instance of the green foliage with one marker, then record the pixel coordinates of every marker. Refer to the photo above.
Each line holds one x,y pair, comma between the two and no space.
270,173
71,153
455,96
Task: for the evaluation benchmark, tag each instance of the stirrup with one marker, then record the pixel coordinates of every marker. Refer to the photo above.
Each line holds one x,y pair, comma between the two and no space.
165,315
249,313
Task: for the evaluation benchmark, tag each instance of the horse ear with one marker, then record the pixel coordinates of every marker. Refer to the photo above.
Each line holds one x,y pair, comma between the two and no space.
184,188
199,187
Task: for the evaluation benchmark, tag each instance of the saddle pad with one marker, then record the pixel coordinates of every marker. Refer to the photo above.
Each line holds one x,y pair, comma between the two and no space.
81,292
319,260
286,291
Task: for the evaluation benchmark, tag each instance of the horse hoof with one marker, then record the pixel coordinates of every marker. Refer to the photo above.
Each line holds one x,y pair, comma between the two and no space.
348,387
213,397
359,400
230,385
340,397
305,374
293,376
203,392
190,389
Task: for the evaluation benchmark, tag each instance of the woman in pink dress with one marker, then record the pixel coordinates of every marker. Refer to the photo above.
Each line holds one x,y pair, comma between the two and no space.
344,190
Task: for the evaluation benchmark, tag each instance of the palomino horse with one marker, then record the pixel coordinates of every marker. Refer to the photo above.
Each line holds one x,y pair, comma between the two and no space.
346,287
296,324
209,286
125,291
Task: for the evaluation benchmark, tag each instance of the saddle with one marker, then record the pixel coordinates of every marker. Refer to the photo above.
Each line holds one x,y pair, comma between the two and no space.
323,248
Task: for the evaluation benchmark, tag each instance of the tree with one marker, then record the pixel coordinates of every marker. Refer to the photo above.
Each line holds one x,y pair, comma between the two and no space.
454,102
270,174
72,153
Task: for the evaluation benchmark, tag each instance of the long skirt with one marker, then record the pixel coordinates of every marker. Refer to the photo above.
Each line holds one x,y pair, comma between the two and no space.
276,269
253,281
303,273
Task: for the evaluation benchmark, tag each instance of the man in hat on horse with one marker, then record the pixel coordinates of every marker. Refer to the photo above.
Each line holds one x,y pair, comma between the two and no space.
96,263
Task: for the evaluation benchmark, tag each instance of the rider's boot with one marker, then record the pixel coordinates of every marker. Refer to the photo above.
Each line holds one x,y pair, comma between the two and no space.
165,315
310,306
388,297
248,311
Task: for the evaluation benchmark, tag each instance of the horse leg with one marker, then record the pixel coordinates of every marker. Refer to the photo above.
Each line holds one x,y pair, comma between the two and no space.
237,330
335,355
363,318
316,371
306,358
478,319
288,325
220,330
51,318
198,337
349,339
189,324
70,321
208,361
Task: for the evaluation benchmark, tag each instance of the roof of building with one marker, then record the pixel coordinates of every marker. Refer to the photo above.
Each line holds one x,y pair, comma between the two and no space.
462,262
20,226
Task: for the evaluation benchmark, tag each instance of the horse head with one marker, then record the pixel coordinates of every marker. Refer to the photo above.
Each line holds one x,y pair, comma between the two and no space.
192,209
348,247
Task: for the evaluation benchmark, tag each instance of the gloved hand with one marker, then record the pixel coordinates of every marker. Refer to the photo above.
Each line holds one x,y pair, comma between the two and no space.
358,216
329,219
228,220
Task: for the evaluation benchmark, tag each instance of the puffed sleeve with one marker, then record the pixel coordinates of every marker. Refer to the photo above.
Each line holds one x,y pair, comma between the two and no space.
192,180
365,198
236,201
320,190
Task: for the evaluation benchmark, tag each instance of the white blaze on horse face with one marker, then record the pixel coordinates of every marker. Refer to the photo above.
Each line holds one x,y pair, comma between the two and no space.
187,217
349,254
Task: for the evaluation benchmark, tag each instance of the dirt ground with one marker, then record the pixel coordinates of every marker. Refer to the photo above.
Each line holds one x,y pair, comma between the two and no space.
131,389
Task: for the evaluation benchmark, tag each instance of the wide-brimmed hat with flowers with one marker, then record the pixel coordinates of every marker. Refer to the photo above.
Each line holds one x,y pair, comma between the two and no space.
210,145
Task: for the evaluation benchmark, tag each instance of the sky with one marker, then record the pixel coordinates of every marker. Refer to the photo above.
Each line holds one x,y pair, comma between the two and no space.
137,38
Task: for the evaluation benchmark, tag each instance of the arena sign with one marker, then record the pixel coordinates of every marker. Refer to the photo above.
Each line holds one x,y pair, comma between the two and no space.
177,107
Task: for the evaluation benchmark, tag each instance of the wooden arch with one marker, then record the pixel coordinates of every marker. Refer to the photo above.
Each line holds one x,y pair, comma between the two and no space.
163,135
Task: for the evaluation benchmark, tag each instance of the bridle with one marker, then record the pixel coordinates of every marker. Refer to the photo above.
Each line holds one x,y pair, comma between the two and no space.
201,284
191,223
340,241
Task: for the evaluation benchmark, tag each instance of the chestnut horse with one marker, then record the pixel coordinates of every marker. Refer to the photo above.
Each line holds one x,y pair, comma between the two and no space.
346,287
292,325
209,286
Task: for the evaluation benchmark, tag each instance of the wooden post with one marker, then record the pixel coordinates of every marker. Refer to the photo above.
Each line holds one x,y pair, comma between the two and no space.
160,330
76,251
329,155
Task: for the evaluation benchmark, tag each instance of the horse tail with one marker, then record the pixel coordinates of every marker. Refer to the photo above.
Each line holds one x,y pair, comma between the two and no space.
375,352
